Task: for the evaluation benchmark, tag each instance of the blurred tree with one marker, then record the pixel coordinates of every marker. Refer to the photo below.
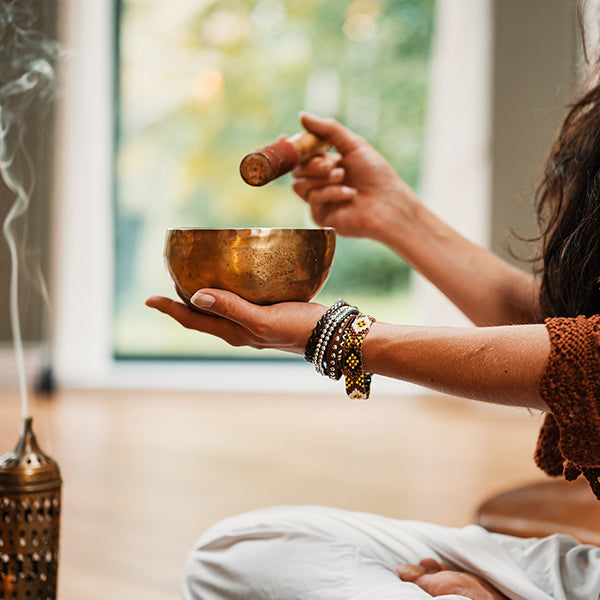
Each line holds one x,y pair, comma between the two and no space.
203,83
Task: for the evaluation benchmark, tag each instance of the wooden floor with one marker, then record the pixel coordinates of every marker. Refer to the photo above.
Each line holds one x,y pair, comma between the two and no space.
145,472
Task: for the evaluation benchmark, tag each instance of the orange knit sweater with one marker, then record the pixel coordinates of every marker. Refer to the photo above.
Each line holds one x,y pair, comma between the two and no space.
569,440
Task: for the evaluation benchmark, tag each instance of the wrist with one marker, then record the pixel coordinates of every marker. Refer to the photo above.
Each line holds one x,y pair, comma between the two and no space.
335,347
397,217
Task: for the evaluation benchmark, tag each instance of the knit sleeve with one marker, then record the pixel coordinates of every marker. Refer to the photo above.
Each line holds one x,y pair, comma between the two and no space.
569,440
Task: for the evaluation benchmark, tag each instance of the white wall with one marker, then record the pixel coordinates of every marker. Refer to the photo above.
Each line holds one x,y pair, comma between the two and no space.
81,283
457,164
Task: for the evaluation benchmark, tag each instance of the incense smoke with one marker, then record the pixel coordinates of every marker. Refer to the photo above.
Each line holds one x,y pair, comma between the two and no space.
26,84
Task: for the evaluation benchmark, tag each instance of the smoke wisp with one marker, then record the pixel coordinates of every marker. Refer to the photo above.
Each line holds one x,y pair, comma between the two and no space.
27,84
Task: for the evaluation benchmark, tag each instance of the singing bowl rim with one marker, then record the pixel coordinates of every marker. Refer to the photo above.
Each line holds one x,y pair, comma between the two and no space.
260,297
264,229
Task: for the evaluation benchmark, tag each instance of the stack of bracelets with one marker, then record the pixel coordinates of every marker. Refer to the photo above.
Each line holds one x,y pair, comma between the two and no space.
335,347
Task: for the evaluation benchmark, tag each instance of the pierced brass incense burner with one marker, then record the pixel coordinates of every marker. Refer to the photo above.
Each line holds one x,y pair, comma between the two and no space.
262,265
30,490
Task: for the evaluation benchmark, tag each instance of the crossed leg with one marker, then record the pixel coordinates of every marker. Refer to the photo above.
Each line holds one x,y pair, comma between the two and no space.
324,553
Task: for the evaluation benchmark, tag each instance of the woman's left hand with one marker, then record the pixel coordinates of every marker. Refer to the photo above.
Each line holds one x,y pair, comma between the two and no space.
285,326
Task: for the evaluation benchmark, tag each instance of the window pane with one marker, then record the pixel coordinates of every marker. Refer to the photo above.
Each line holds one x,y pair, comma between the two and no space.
203,83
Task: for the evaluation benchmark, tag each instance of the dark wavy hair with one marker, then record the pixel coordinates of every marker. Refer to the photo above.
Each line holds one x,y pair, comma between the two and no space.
568,206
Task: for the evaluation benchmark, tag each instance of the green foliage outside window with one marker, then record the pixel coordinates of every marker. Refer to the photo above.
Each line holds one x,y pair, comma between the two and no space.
203,83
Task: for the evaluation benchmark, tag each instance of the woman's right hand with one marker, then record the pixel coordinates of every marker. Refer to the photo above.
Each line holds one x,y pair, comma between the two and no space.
355,190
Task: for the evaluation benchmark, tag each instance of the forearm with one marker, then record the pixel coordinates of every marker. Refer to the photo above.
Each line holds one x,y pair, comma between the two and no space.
491,364
501,365
488,290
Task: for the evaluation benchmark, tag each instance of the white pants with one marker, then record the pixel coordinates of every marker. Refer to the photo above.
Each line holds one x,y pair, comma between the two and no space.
321,553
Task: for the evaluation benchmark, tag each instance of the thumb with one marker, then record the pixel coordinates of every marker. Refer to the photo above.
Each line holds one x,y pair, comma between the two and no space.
342,138
227,305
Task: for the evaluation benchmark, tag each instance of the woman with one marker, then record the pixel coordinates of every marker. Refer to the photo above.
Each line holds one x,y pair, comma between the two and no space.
537,345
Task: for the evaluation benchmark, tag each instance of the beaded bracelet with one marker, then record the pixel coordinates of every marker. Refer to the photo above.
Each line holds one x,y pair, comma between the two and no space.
333,355
311,345
336,318
332,337
335,347
358,383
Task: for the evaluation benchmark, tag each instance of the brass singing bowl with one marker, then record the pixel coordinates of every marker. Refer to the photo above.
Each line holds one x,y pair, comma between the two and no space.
262,265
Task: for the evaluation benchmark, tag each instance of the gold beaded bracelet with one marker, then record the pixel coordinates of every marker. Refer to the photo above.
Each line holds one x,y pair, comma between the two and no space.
358,383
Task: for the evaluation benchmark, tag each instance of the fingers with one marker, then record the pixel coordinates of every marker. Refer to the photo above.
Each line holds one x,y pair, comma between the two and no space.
319,166
321,180
316,178
427,566
284,326
157,302
332,193
218,323
433,566
168,306
329,129
183,314
235,311
227,305
409,572
312,176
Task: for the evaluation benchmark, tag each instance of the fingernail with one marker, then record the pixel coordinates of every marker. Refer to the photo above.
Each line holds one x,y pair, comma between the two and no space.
202,300
348,190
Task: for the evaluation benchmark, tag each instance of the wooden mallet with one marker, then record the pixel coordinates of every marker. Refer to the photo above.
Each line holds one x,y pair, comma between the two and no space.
268,163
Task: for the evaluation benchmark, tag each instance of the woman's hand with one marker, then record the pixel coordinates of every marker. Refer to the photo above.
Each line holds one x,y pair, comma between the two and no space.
437,579
286,326
355,190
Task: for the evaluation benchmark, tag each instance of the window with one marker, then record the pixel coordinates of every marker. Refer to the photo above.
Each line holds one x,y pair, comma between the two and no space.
203,83
89,270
